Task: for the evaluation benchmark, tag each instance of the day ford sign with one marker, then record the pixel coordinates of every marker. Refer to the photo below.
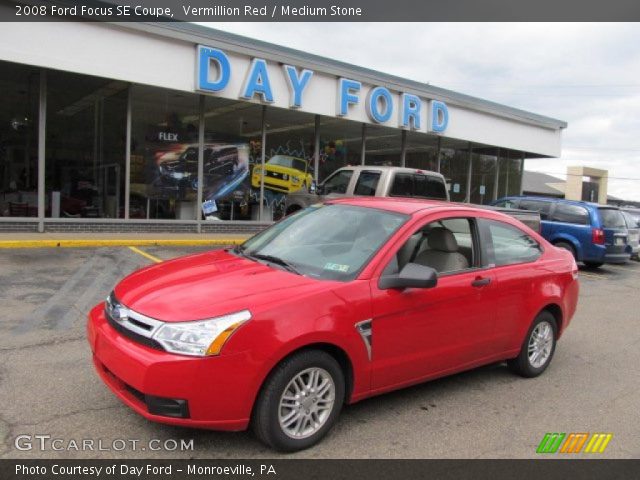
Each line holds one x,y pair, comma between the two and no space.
214,72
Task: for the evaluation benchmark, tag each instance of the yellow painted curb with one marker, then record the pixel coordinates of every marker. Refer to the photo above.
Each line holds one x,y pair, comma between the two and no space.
183,242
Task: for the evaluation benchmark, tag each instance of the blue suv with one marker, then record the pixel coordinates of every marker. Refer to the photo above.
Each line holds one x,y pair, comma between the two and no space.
595,234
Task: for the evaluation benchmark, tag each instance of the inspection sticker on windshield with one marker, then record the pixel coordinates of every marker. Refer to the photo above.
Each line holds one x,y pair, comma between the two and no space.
336,267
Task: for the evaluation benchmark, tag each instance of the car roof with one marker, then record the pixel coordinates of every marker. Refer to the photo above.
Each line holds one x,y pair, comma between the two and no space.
407,206
391,167
557,200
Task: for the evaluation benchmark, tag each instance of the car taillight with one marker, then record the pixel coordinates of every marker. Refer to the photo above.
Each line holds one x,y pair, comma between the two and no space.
597,236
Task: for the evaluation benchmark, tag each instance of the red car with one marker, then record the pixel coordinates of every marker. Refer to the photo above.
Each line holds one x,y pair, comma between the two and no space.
332,305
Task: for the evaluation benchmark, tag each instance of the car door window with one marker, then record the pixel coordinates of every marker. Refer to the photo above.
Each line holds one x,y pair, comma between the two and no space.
570,214
446,245
338,182
509,245
367,183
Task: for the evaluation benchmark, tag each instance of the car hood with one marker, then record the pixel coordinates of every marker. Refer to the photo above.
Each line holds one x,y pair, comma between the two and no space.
207,285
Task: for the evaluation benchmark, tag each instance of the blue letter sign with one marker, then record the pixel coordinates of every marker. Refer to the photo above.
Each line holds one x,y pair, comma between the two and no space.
411,111
347,95
258,81
439,116
205,56
297,84
379,96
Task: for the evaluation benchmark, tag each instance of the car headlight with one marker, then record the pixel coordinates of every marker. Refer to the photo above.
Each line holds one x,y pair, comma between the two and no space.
295,179
201,338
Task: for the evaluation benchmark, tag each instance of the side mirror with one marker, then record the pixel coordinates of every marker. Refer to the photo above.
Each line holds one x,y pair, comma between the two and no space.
313,188
412,275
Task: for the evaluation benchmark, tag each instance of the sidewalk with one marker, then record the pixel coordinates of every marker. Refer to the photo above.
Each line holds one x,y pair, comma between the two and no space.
47,240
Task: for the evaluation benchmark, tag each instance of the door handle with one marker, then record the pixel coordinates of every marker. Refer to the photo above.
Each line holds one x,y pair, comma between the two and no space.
481,282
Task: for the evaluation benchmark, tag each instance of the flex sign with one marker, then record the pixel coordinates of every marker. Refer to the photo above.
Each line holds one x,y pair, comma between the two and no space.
214,71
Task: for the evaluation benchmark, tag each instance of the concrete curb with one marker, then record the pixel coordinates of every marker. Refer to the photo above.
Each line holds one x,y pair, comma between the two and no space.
79,243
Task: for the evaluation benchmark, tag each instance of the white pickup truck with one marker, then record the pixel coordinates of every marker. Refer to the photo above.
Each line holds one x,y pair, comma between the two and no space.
375,181
382,181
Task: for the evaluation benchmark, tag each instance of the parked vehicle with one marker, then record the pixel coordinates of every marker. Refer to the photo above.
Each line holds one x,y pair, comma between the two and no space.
284,174
372,181
633,227
594,234
331,305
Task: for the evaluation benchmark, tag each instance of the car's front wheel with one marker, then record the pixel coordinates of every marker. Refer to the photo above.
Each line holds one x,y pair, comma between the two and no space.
538,347
300,401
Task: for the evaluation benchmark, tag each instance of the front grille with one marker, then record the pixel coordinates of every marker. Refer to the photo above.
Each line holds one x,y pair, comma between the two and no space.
277,175
136,337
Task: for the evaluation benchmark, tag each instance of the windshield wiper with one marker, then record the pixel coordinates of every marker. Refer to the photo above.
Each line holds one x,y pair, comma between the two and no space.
273,259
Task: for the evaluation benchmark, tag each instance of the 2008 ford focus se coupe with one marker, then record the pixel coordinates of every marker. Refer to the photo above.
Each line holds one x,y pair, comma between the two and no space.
331,305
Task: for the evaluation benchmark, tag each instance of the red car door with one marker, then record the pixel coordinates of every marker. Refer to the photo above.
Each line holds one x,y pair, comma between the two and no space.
422,333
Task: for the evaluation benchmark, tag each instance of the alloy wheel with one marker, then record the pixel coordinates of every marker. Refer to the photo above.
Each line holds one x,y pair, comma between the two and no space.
306,403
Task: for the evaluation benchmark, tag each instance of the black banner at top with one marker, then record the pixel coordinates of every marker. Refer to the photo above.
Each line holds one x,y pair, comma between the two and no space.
320,10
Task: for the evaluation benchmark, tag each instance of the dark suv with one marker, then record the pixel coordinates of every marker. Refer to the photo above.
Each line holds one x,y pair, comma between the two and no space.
595,234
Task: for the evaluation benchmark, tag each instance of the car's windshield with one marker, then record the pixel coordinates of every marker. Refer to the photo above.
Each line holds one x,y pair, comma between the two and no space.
289,162
330,242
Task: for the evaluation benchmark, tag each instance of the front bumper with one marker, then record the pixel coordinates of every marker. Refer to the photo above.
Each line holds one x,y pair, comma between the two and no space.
210,392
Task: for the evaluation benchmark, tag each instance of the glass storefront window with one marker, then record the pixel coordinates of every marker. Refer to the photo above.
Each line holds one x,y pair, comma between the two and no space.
233,147
483,176
510,174
340,145
85,146
19,106
383,146
422,151
454,165
289,158
164,159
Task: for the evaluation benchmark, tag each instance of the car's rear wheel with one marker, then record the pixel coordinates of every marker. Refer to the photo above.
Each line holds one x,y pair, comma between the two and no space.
300,401
594,264
567,246
538,347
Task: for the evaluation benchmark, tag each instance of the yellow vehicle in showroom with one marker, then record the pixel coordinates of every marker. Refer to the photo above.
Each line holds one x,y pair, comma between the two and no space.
284,174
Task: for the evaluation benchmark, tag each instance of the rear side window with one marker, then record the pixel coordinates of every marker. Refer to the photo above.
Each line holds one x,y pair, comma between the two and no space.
571,214
612,218
511,245
416,185
537,206
367,183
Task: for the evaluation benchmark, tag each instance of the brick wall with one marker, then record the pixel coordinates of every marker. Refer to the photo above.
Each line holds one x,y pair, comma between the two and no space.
133,226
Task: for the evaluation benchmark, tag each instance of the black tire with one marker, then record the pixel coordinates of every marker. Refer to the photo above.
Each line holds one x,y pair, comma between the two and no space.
594,264
567,246
265,421
522,364
292,209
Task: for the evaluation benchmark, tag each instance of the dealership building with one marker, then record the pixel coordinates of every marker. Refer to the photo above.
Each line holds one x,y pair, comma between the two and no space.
142,127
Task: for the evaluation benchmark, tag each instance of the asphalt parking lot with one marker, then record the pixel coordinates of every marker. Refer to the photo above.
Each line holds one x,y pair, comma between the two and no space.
48,386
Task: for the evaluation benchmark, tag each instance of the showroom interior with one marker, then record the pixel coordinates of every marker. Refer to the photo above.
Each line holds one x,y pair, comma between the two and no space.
85,151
